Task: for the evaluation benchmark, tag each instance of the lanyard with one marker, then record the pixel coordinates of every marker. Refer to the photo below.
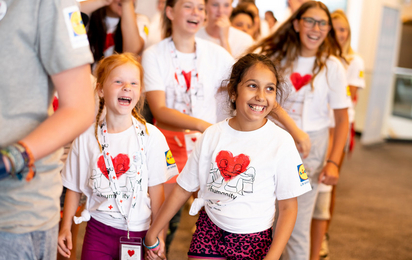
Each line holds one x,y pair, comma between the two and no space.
114,184
190,94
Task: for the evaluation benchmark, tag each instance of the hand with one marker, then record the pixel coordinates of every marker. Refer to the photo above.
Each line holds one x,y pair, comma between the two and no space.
157,254
64,242
329,174
302,141
223,23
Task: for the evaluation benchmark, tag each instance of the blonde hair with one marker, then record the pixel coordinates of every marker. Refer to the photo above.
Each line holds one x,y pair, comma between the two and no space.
285,43
102,72
346,48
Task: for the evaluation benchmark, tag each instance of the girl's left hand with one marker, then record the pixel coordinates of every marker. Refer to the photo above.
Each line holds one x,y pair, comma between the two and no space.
329,174
155,255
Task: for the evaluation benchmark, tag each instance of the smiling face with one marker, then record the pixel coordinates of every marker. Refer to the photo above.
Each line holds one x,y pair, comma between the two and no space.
256,98
244,23
218,8
341,30
187,16
121,90
311,37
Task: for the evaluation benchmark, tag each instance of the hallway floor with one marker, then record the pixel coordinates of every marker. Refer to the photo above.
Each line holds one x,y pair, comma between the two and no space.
373,214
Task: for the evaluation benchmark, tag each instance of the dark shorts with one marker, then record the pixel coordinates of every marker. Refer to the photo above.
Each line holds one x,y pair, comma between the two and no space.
103,242
210,241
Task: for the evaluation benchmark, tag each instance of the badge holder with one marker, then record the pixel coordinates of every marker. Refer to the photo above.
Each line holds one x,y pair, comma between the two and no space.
130,248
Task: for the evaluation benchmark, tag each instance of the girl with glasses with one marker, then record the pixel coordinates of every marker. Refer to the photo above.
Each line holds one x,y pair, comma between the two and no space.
304,49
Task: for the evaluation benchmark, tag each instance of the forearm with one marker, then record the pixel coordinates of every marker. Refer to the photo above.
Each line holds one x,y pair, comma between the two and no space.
353,92
172,204
340,135
157,197
224,42
74,116
283,117
287,217
71,203
132,42
174,118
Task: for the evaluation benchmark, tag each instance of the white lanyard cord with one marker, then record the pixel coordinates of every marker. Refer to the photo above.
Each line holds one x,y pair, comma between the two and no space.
192,91
114,185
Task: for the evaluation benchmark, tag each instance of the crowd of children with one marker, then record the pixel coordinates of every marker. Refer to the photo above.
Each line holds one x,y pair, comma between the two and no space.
250,119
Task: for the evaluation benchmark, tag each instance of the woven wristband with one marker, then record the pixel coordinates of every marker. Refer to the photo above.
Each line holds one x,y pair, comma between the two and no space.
28,155
3,171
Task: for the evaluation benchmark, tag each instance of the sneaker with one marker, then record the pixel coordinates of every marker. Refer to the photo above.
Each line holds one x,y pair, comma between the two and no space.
324,249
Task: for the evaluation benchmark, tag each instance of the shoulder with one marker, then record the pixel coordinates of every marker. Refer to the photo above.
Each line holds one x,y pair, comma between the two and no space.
202,33
142,18
279,132
158,48
212,51
334,63
356,61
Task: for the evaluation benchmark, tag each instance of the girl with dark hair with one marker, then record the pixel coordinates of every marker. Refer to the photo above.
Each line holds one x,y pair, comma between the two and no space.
304,49
242,19
112,27
240,166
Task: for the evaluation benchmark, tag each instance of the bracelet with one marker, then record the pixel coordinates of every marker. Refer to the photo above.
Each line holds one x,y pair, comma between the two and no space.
20,157
153,246
3,171
332,162
30,164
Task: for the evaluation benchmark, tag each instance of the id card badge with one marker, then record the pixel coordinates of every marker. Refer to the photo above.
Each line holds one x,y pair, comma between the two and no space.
130,249
190,140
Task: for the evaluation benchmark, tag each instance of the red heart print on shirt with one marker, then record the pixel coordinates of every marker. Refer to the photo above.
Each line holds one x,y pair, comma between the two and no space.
231,166
130,252
298,81
121,164
194,139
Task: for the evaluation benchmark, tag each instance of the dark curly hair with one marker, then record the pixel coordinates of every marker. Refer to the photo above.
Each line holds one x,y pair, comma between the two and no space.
239,70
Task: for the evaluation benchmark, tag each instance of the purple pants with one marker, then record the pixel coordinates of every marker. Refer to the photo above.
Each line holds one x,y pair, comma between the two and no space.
102,242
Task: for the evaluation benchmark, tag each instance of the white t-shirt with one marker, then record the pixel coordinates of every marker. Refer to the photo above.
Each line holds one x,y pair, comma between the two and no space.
310,108
111,25
213,65
241,174
355,73
239,41
85,172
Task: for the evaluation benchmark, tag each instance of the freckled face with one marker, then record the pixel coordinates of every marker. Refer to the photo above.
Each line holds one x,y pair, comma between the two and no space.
121,90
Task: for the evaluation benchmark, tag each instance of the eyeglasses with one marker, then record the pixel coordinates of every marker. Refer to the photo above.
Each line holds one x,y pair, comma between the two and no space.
309,22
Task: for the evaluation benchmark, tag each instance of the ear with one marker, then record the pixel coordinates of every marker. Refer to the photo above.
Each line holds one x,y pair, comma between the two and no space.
296,25
99,89
233,98
169,13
